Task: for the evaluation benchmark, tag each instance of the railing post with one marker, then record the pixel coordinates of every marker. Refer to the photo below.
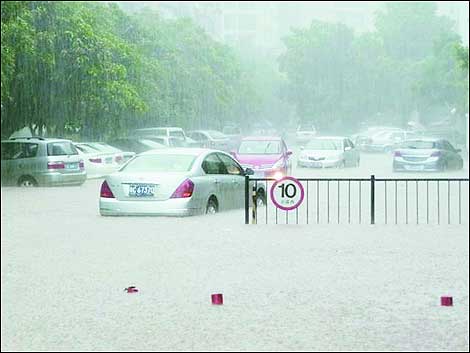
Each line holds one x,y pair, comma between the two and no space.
254,209
247,199
372,199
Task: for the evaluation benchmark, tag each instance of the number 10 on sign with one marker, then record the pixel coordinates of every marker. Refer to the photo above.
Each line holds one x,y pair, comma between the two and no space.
287,193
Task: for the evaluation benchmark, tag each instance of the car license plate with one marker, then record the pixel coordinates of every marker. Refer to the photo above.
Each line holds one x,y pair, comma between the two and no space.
109,160
315,164
141,190
71,165
414,167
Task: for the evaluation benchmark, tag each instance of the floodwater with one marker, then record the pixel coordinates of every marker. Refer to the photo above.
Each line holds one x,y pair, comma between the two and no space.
286,287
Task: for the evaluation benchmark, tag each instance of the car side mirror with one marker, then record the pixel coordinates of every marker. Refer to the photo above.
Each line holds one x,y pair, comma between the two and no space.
289,153
249,171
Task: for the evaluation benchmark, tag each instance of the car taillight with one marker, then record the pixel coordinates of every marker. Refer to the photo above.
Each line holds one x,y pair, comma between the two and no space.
95,160
397,154
436,154
55,165
184,190
106,191
81,165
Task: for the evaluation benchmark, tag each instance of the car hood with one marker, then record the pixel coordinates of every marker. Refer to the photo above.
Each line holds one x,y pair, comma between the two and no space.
258,159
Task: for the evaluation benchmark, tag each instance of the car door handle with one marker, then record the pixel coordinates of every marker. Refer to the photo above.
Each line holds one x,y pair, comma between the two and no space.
216,181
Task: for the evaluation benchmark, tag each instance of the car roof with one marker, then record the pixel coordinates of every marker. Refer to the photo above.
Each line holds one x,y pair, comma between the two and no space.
426,139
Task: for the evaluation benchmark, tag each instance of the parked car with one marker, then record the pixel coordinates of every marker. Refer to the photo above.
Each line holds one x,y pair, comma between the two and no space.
211,139
268,156
365,137
135,144
174,182
386,141
121,156
38,161
329,151
234,135
169,141
305,133
426,154
176,132
98,163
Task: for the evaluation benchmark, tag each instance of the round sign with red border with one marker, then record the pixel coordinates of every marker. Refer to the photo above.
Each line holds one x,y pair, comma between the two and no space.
287,193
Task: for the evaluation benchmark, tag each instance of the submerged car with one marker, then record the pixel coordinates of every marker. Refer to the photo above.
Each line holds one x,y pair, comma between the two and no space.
305,133
211,139
387,141
329,152
98,163
38,161
426,155
267,156
135,144
120,156
174,182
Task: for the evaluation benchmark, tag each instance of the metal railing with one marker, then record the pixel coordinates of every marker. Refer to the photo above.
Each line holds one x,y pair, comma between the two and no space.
363,201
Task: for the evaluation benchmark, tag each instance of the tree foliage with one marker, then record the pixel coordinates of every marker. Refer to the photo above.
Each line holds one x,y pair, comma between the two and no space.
90,68
409,64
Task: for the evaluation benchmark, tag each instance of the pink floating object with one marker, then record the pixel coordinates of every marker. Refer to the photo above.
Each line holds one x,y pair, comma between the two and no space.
131,289
217,299
446,301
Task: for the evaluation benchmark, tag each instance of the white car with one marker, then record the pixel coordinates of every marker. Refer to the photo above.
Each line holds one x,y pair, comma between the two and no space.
120,156
329,152
174,182
97,163
305,133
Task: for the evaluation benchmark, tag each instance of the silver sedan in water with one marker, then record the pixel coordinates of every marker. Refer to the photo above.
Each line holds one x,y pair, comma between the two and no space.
174,182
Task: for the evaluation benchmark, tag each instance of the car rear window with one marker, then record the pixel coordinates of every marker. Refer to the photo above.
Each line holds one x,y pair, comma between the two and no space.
171,163
87,148
419,145
61,149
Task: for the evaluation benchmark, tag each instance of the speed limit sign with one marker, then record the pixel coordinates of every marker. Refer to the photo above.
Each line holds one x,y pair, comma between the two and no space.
287,193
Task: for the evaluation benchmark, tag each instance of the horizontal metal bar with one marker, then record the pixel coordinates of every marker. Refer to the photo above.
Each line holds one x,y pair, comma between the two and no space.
366,179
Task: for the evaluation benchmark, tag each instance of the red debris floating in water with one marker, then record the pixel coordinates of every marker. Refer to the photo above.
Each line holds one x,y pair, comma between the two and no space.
217,299
446,301
131,289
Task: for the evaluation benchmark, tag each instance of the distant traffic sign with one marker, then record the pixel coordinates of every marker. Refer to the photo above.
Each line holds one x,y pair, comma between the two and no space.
287,193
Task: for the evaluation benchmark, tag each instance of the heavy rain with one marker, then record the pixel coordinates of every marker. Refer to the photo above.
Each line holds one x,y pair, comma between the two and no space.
234,176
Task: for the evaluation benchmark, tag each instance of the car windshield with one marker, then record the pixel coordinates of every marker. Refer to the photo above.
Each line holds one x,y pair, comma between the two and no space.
61,149
324,145
419,145
161,163
260,147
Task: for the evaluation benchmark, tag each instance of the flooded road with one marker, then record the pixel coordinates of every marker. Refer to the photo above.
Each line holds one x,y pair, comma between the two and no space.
310,287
